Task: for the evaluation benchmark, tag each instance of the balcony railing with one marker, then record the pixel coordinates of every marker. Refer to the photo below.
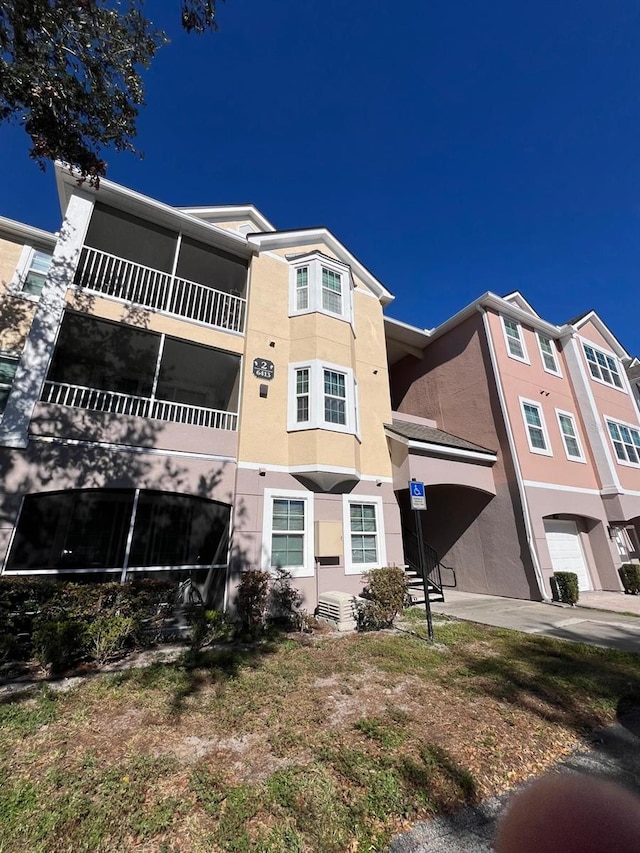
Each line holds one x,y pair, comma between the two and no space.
112,276
80,397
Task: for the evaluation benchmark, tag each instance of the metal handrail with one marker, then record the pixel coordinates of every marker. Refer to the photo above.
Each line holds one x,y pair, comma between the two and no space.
113,402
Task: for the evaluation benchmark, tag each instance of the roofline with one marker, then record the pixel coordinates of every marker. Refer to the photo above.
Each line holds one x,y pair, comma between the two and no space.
301,236
515,294
441,449
593,317
26,232
136,203
234,210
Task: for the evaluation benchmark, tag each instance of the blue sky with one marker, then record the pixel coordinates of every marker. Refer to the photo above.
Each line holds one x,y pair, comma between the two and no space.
453,146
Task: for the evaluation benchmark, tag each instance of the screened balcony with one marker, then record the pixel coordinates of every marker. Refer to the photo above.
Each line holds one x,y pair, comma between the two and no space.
118,531
129,259
121,370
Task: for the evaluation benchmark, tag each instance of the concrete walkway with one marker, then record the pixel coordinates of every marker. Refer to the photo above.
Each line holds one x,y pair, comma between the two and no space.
593,624
614,754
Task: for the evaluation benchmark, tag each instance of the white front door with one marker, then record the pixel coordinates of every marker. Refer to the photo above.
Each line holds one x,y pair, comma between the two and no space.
566,551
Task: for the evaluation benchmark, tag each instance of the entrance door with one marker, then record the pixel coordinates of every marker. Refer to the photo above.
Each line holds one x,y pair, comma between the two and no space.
566,551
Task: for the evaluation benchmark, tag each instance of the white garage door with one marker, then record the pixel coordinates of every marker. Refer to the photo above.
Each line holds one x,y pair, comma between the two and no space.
566,551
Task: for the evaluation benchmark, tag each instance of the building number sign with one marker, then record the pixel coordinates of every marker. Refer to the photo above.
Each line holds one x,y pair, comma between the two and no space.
263,369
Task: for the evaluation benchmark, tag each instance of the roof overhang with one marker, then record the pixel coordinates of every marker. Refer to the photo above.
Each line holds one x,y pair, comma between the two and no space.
311,237
607,334
442,450
137,204
27,233
231,213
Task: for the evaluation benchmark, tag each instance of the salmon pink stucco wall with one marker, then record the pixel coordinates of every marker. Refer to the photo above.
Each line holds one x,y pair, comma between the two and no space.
481,536
531,382
611,402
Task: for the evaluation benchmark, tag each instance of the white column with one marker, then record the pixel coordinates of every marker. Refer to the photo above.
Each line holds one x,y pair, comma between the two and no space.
34,362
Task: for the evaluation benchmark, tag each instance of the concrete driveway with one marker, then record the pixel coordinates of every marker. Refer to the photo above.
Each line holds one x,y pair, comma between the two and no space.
591,624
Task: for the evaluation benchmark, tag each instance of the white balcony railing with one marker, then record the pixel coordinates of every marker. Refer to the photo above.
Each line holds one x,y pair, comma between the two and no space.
80,397
112,276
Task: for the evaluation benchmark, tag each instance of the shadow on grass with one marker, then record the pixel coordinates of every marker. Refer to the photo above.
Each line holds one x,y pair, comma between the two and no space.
197,670
567,683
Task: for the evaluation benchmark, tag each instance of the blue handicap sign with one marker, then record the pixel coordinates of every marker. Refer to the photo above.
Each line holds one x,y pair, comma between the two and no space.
418,497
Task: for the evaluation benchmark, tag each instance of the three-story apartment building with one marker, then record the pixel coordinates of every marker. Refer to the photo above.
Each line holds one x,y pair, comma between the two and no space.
556,404
191,390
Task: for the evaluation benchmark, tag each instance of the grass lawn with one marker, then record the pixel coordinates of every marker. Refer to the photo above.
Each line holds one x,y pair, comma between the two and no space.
331,743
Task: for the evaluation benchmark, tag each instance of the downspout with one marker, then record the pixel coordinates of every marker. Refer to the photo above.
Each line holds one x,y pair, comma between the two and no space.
516,464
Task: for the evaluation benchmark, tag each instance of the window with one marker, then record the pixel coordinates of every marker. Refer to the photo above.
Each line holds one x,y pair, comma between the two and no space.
32,271
8,366
626,442
335,397
287,533
319,283
363,534
331,291
302,288
536,429
569,432
513,338
90,530
603,367
548,353
302,395
322,396
287,525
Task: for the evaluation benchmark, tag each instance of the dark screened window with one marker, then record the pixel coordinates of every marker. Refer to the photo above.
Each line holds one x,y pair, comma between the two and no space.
87,529
72,530
109,356
178,530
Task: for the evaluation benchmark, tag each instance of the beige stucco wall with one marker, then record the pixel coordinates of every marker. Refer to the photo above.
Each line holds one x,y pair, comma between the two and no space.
16,312
273,335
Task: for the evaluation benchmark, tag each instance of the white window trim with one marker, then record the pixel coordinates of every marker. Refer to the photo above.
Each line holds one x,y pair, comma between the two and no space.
22,268
538,450
351,568
13,354
556,354
572,417
525,357
316,420
619,366
308,569
314,263
618,422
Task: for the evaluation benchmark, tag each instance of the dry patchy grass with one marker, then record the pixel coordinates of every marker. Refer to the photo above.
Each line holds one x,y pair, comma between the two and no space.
291,746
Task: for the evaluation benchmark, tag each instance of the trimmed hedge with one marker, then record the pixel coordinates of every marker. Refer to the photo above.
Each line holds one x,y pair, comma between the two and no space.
62,622
630,577
566,584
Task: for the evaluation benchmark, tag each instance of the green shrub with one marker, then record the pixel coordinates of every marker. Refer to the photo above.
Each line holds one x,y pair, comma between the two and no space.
385,592
566,587
285,606
630,576
58,643
27,604
252,600
107,636
208,626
